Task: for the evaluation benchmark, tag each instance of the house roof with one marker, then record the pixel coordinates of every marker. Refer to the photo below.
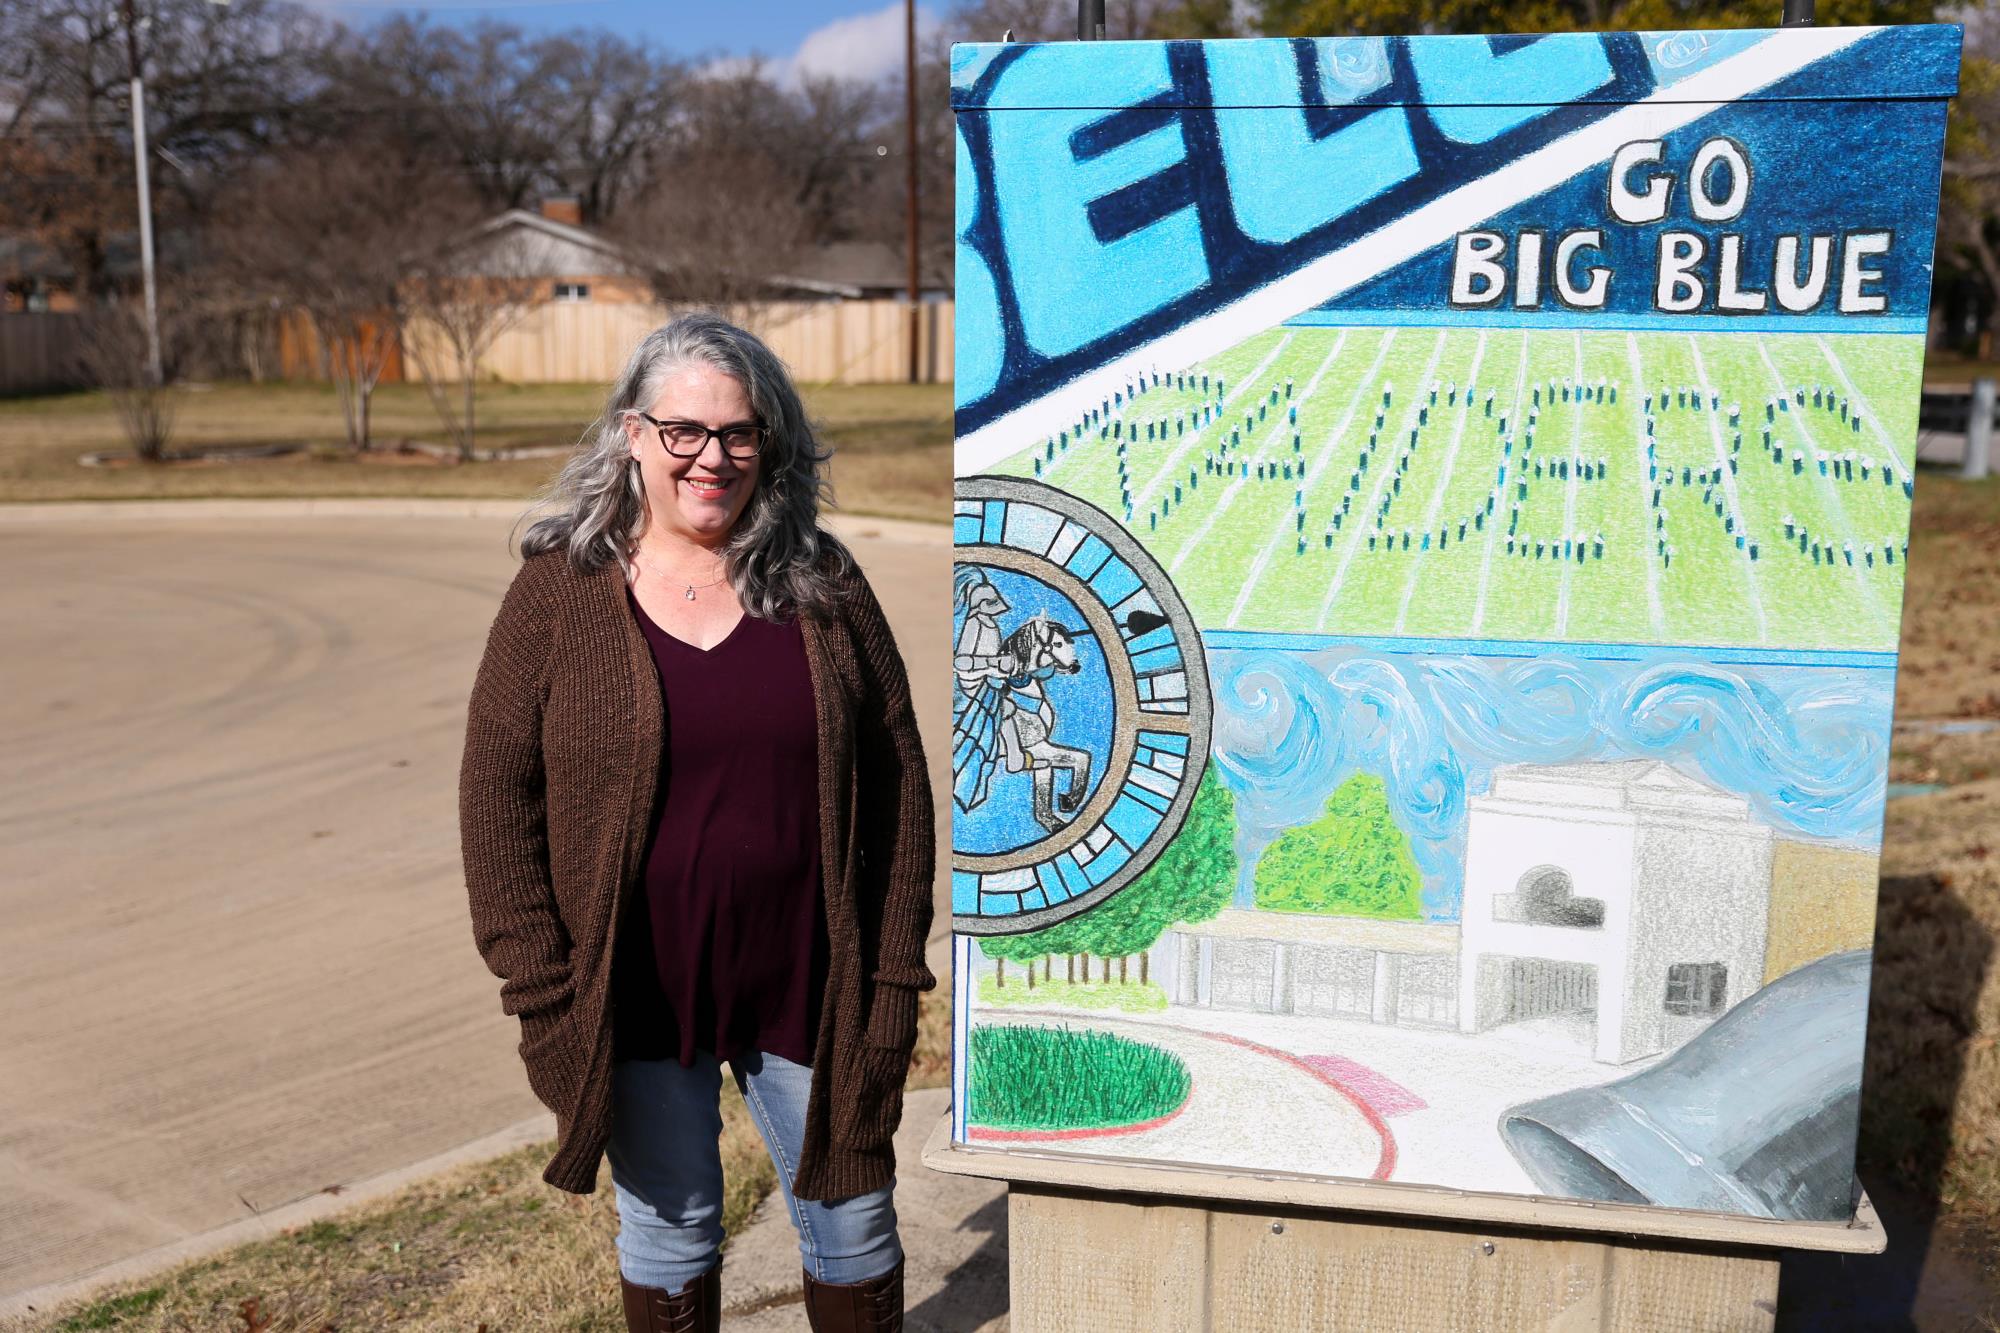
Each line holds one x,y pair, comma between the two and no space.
23,257
844,269
1630,784
563,231
853,268
558,249
1615,773
1349,932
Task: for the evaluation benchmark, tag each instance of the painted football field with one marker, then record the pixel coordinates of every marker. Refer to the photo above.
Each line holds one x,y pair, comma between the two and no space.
1591,486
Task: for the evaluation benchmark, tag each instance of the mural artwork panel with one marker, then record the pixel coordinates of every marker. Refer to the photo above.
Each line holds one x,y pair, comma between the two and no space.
1430,527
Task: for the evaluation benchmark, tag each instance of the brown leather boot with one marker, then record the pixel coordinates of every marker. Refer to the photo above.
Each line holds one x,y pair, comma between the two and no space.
874,1306
695,1308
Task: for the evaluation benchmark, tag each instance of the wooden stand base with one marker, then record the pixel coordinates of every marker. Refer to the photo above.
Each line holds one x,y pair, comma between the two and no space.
1105,1247
1098,1263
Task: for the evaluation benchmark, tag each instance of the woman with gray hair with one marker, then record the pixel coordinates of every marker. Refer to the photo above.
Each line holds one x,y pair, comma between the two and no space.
697,829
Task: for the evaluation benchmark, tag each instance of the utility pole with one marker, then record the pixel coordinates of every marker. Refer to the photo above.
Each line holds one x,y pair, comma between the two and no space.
145,191
910,178
1979,431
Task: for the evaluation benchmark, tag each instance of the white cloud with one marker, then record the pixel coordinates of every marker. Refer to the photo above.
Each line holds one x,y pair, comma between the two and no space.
732,67
864,47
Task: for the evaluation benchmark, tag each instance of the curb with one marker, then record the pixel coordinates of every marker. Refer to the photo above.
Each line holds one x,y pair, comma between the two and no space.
273,1221
76,511
33,512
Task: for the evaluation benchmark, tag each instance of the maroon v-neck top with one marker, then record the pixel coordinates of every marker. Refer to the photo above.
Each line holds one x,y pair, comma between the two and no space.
726,949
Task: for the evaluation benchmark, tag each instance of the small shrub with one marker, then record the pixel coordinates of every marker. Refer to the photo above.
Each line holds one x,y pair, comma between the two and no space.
1054,1078
116,354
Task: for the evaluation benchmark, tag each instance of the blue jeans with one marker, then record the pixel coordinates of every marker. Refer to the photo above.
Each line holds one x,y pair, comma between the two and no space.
667,1173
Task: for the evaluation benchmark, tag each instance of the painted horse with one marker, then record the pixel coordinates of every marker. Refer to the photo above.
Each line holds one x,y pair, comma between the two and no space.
1005,713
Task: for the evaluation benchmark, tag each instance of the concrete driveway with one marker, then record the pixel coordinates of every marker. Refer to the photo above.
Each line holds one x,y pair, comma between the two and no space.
238,963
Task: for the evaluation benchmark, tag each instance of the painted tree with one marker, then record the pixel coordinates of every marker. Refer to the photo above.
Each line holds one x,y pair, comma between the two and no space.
1003,949
1354,860
1191,881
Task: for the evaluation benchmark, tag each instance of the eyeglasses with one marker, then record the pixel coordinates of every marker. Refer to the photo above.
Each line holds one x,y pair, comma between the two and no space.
686,439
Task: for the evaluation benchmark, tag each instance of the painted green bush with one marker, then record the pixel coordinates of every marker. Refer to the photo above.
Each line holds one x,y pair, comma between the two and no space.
1191,882
1352,861
1054,1078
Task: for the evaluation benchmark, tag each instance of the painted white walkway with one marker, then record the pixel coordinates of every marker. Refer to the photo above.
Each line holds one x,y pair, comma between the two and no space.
1235,1090
1466,1083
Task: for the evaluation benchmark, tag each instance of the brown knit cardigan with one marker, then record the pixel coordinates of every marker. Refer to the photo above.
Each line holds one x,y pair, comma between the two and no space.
562,759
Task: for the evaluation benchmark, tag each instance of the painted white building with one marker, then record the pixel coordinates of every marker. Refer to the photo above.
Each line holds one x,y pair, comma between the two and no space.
1304,963
1627,896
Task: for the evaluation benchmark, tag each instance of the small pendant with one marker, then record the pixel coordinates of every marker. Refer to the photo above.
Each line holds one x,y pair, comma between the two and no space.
690,592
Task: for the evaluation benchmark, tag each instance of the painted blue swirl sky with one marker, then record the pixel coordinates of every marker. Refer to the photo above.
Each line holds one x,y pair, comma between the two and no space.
1807,746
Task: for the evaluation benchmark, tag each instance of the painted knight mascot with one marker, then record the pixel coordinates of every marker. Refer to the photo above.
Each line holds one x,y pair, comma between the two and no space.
999,710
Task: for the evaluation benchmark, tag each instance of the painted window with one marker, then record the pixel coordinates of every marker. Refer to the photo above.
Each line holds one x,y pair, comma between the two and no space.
1696,990
1546,897
572,291
1241,974
1427,989
1333,981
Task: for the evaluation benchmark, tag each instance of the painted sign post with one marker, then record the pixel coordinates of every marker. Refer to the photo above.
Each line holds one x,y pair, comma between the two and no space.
1431,519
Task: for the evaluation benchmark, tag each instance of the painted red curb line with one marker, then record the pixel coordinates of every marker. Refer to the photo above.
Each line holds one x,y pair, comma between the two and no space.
1384,1165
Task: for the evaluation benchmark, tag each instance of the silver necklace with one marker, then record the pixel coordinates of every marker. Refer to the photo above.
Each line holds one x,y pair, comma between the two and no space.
675,578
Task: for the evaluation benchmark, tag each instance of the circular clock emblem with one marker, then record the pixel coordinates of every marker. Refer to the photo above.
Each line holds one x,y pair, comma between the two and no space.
1080,707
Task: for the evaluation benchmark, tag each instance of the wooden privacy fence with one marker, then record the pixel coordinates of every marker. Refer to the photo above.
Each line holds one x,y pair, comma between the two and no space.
841,342
40,352
845,342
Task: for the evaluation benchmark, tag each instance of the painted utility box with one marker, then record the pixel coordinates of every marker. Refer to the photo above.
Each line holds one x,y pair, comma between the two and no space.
1431,521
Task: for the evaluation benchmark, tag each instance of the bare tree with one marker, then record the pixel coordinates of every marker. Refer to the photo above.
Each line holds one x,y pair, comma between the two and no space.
835,131
329,234
739,194
880,207
615,101
62,178
1055,20
1969,211
455,297
114,352
515,116
222,84
472,97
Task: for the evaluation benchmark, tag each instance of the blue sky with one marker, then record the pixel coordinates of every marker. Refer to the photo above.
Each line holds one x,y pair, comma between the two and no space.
862,38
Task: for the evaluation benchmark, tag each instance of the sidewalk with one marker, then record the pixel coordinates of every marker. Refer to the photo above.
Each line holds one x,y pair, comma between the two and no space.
954,1232
23,512
234,881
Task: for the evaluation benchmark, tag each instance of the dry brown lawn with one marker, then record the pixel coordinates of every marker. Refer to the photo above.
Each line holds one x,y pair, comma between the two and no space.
1931,1094
892,445
487,1246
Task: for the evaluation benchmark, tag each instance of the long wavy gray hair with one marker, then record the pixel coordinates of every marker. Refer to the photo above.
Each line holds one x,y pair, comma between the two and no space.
778,558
